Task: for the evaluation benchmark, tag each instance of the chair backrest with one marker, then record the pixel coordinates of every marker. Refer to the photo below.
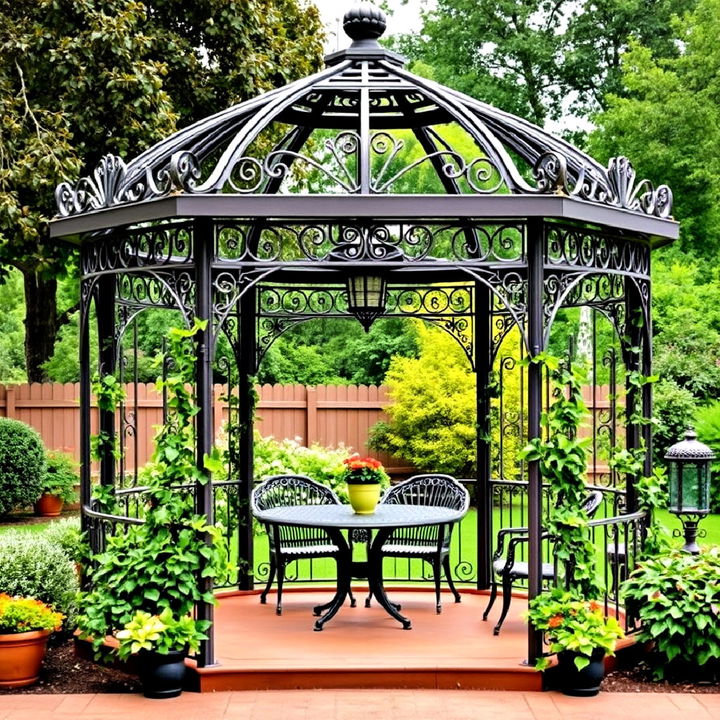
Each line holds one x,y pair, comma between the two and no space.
284,490
429,489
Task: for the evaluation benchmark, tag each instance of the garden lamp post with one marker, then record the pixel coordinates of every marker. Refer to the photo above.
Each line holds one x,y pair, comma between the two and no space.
689,464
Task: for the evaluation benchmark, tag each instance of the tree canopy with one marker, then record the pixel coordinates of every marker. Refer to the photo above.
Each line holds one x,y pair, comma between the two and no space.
78,80
527,57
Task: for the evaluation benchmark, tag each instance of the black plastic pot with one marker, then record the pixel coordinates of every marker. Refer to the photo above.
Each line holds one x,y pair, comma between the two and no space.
580,683
161,675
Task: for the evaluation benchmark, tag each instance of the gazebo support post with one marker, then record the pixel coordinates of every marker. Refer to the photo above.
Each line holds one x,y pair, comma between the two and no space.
246,410
535,254
203,247
85,405
107,358
483,487
637,399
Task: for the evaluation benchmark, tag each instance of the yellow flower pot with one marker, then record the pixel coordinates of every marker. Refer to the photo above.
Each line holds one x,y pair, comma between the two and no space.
364,498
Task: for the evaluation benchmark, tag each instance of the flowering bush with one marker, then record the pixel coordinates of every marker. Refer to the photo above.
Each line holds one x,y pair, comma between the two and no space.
364,471
570,623
161,633
21,614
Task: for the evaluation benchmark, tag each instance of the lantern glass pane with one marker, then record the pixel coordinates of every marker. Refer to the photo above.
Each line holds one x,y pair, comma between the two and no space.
673,486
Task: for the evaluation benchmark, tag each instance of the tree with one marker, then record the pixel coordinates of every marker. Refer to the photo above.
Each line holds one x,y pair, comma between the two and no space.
669,124
78,80
526,57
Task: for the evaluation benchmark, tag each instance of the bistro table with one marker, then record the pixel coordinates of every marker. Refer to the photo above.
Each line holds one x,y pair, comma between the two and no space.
336,518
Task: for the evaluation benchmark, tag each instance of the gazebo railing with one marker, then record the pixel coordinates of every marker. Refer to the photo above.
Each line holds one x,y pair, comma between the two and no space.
617,536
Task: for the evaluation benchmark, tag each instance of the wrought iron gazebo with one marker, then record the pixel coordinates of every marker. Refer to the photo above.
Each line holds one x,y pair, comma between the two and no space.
315,200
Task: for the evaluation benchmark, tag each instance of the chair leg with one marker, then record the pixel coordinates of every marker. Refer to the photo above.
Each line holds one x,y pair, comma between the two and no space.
281,578
507,597
271,577
368,599
448,577
491,602
436,576
353,602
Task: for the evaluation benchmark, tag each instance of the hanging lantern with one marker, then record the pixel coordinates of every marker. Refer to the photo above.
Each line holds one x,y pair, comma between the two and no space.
689,464
367,295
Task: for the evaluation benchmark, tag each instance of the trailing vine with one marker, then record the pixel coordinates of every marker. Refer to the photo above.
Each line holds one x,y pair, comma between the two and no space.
562,458
109,393
629,463
160,564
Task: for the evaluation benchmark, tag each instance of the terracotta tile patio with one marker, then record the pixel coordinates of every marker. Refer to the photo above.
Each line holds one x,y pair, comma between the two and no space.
361,705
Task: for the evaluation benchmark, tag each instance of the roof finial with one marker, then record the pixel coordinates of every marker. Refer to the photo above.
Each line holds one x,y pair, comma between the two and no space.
364,22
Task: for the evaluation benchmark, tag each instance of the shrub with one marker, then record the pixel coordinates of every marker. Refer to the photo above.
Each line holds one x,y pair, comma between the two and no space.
60,476
278,457
673,408
677,596
707,425
433,411
22,465
66,535
32,566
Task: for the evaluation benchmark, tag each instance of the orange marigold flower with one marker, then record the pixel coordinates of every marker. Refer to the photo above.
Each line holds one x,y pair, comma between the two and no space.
594,605
555,621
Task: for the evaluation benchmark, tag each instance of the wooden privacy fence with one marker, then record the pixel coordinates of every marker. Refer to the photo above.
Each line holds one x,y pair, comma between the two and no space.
327,415
330,415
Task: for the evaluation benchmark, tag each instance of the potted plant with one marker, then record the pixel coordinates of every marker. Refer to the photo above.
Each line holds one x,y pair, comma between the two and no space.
364,478
161,643
58,484
25,625
161,567
578,631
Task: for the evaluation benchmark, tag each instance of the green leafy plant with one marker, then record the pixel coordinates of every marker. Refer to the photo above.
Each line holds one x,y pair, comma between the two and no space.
66,535
573,624
23,614
163,562
707,425
61,476
22,465
161,633
562,458
678,602
364,471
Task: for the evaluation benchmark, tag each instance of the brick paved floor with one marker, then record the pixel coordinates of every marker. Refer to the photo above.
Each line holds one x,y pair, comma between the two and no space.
362,705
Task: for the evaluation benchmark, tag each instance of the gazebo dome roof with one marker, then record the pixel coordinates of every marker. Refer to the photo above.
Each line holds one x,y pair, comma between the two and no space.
359,126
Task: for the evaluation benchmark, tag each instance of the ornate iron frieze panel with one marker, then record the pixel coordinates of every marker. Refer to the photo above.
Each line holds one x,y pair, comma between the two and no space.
402,242
279,308
584,248
156,246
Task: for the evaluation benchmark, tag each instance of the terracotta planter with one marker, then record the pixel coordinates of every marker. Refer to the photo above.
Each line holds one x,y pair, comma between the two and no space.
48,505
21,655
364,498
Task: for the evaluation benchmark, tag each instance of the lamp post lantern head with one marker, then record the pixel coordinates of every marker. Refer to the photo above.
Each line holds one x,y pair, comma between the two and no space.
689,464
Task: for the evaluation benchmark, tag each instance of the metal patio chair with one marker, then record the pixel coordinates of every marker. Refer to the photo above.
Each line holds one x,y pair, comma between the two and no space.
508,569
430,543
287,543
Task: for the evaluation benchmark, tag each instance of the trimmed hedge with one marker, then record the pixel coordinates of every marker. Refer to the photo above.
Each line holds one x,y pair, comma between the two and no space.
22,465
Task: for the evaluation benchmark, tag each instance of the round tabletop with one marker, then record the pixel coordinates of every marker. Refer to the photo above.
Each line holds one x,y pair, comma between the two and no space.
343,516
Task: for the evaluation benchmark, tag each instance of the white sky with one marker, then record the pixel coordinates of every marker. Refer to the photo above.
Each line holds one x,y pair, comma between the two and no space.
404,18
